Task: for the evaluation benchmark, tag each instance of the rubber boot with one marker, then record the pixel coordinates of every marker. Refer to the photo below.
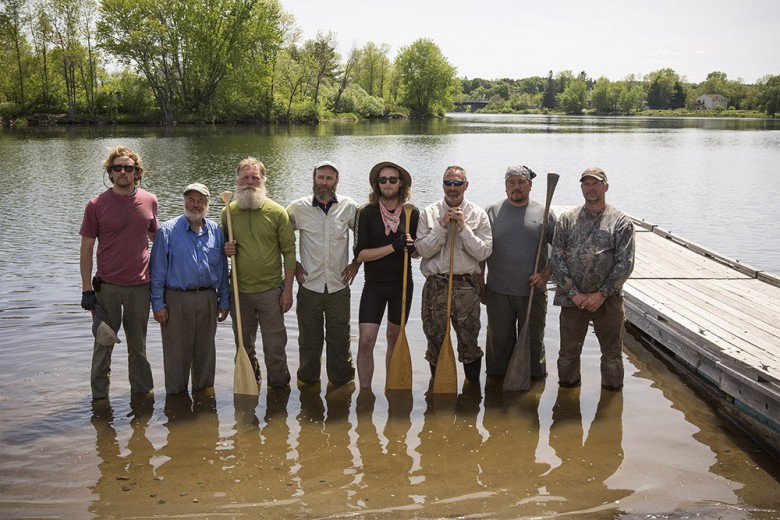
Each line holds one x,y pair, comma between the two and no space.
473,369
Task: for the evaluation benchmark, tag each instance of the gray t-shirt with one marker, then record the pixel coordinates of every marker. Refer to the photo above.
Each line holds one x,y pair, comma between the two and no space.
515,240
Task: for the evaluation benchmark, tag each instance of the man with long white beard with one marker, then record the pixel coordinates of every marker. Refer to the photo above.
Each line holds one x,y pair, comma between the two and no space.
263,251
324,273
189,292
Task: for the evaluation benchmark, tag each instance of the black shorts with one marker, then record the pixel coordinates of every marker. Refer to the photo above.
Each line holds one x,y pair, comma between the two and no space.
378,295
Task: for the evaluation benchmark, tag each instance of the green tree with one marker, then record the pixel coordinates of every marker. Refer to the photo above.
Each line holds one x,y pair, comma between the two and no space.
574,99
666,91
606,96
185,48
322,55
427,78
769,95
550,93
13,17
374,68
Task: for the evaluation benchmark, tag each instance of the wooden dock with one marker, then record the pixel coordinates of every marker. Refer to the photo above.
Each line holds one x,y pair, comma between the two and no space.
719,319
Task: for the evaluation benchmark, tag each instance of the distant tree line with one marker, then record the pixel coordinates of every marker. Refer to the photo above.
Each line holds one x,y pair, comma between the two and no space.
243,61
660,90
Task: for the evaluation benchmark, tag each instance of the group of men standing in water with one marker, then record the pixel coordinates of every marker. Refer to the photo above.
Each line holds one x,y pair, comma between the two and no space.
589,250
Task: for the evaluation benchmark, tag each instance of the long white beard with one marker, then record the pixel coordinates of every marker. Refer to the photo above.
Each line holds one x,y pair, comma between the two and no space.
248,197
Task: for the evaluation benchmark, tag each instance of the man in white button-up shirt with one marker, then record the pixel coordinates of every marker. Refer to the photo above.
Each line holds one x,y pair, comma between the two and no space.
324,275
473,244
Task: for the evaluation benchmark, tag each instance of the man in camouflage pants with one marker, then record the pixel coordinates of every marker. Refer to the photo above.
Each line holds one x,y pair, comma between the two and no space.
473,244
592,257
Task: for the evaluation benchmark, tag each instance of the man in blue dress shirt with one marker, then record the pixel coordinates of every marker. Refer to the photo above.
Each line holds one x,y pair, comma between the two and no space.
189,292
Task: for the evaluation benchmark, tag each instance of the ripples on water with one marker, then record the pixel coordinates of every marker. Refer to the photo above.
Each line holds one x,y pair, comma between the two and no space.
653,451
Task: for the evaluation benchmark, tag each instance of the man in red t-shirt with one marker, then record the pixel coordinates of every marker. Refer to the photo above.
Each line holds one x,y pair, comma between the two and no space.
122,219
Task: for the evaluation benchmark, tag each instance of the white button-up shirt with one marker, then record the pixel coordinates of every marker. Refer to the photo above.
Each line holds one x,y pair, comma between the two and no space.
324,240
472,244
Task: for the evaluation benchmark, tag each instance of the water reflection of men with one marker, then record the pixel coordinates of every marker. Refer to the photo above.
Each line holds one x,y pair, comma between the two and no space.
385,463
324,459
187,477
121,471
122,220
585,466
263,237
516,223
473,244
189,292
380,245
592,257
512,423
450,458
324,275
261,452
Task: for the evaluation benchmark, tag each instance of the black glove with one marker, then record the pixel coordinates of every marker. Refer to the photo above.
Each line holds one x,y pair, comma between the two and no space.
412,249
400,243
88,300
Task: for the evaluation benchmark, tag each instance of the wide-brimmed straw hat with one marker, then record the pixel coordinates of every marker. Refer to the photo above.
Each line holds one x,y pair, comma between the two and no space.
401,170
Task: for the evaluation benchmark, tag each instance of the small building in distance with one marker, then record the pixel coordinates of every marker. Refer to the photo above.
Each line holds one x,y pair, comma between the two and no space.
711,101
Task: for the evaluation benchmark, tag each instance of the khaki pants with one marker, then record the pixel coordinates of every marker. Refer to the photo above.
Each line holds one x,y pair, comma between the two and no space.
465,316
328,313
262,310
188,339
608,324
128,306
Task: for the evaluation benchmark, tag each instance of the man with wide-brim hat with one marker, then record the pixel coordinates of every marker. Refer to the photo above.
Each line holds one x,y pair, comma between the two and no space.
380,244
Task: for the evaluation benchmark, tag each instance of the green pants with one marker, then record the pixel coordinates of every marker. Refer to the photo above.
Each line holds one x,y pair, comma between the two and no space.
127,305
323,318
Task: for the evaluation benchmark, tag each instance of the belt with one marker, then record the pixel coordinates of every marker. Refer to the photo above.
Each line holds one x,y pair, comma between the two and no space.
467,276
196,289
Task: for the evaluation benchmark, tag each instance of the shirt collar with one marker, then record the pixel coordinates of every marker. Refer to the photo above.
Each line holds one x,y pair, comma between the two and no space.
325,207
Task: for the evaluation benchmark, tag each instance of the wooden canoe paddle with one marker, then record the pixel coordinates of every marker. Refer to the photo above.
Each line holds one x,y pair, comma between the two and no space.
445,381
244,381
518,373
399,374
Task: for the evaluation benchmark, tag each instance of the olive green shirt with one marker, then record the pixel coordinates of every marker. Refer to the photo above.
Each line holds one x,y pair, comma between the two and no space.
263,237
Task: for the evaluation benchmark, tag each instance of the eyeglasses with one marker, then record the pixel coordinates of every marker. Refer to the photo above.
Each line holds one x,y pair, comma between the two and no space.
391,180
128,168
448,182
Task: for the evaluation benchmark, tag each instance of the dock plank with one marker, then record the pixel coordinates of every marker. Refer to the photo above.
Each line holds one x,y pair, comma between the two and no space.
718,316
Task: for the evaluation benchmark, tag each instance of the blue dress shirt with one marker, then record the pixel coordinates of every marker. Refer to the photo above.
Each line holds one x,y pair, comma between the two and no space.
182,259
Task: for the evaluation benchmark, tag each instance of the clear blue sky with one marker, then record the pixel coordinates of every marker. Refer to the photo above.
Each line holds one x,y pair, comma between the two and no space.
520,38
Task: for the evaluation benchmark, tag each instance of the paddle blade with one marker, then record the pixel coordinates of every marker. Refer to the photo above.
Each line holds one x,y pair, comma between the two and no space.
445,381
399,376
518,373
244,381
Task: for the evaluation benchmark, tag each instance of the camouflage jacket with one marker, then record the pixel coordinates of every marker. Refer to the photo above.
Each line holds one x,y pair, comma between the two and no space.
592,252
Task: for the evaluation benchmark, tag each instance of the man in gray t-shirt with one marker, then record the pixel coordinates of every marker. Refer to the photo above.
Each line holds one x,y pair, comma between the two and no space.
516,223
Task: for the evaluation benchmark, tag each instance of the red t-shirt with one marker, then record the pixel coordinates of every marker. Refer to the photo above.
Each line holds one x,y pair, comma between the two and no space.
120,225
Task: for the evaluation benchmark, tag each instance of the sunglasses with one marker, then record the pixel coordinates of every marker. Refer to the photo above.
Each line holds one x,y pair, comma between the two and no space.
129,168
448,182
391,180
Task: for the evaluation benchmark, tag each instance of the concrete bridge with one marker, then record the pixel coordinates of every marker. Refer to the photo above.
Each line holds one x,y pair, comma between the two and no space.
472,104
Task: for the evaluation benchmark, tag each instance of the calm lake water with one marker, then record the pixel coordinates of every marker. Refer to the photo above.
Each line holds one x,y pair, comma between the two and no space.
654,451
